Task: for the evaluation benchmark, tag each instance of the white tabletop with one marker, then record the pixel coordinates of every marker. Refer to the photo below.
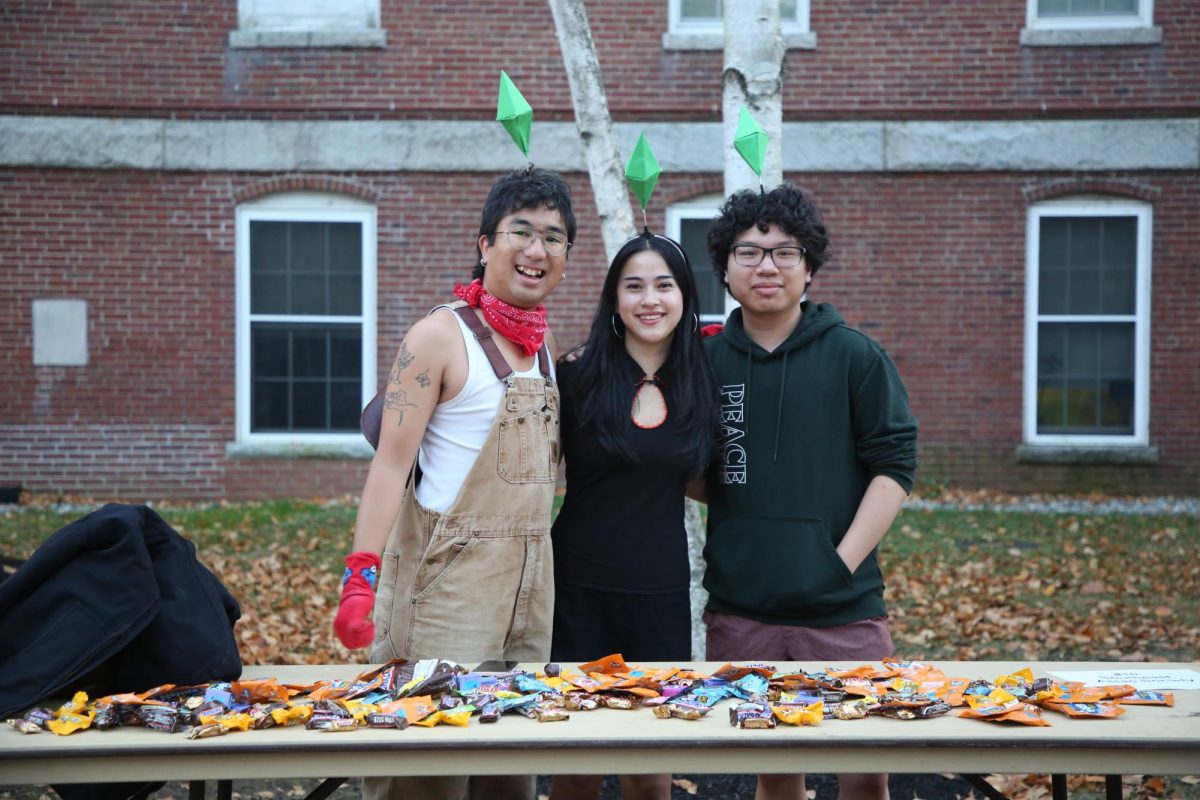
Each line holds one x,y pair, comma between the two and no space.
1146,739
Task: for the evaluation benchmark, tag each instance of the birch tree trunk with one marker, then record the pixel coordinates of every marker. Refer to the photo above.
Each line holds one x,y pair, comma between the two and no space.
605,166
753,77
607,173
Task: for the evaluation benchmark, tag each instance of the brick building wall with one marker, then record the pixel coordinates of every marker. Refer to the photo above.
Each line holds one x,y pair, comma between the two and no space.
929,262
916,59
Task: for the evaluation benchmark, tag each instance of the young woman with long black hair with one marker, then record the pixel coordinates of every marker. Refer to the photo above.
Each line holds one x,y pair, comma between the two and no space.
639,416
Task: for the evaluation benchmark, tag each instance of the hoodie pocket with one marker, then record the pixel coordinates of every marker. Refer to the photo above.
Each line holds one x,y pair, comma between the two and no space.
784,566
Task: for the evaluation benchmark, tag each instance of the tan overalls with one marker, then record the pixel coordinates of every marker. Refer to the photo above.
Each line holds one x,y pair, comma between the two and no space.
477,581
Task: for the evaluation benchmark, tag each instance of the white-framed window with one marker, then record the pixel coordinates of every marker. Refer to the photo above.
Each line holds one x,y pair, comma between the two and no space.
1087,323
305,318
688,224
700,24
1090,22
308,23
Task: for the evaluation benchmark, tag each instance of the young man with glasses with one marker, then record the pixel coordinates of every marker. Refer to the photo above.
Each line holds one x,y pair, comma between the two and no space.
453,528
818,452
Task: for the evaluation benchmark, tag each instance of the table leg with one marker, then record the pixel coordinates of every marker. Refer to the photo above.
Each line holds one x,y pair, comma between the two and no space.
196,790
225,790
989,791
1058,787
327,787
1112,787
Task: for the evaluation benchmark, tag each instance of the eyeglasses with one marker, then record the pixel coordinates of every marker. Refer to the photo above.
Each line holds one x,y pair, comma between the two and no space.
556,244
751,255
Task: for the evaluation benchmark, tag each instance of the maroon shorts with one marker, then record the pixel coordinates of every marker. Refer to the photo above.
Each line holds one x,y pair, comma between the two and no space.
733,638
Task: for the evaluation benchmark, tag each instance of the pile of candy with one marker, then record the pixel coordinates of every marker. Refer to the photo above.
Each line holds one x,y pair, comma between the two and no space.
433,692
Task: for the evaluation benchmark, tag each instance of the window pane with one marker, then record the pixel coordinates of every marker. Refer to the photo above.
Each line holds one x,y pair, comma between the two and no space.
270,406
345,404
345,247
268,293
712,10
296,368
292,265
346,354
1087,265
1086,8
700,10
308,246
1053,260
309,293
1085,378
308,353
309,406
268,353
268,265
694,238
345,295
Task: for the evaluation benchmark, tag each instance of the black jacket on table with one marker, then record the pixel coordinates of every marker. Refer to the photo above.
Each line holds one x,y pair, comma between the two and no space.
805,428
114,602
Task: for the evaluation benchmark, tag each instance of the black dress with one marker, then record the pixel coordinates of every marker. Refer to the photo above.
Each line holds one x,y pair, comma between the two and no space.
621,570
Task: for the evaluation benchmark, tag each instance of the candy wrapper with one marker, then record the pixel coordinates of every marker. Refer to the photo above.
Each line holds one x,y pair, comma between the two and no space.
1022,713
682,710
1147,698
752,716
72,716
1087,710
799,713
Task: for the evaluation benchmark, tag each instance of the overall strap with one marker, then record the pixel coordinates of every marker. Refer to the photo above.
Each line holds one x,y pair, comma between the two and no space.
483,334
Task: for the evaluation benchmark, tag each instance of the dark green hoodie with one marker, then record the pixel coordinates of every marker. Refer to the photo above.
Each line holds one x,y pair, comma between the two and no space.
805,428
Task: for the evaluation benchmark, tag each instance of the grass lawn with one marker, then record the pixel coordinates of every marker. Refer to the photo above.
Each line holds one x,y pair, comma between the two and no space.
961,584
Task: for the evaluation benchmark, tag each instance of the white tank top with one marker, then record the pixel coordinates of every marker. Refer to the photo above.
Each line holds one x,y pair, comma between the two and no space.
459,426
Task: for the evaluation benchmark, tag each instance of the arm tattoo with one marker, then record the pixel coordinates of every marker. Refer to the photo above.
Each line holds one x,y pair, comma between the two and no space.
398,399
403,360
423,379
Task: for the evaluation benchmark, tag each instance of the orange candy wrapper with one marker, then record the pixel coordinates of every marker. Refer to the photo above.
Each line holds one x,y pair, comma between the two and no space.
265,690
799,714
1147,698
866,672
608,665
412,708
74,715
1087,710
1023,713
731,673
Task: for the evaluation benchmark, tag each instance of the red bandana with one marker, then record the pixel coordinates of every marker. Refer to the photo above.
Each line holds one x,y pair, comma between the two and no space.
521,327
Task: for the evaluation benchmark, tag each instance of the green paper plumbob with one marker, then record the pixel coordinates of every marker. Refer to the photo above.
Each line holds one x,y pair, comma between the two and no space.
642,171
750,141
514,112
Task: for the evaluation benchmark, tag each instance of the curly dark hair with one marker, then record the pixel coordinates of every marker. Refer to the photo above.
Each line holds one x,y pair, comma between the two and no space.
785,206
530,187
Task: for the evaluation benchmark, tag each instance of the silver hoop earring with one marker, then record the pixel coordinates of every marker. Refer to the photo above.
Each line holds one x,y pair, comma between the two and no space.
616,332
695,322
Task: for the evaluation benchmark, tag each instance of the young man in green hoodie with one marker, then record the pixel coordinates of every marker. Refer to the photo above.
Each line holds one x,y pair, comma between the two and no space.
818,452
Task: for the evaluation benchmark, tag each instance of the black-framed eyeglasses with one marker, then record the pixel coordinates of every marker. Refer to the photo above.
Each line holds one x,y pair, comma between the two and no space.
520,238
751,255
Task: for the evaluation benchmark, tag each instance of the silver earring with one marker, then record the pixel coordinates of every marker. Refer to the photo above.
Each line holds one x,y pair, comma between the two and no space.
695,322
618,334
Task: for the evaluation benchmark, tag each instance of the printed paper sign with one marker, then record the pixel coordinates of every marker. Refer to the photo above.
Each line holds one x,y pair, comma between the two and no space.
1142,679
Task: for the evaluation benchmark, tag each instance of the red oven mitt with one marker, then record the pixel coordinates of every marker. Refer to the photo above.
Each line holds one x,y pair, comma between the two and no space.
353,624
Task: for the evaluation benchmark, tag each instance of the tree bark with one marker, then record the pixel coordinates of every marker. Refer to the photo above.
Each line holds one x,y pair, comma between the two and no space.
753,77
605,166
